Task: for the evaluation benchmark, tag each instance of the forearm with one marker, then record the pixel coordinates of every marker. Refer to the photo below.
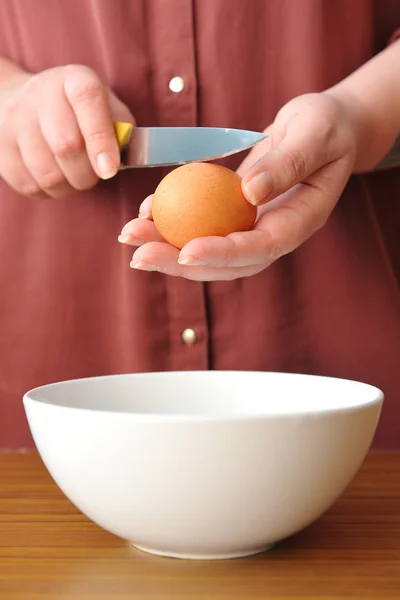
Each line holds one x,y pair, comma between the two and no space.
372,96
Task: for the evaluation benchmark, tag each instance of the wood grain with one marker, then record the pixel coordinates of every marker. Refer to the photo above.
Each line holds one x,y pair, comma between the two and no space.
48,550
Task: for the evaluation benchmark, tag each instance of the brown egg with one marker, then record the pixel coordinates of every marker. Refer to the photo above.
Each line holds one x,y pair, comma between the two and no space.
200,199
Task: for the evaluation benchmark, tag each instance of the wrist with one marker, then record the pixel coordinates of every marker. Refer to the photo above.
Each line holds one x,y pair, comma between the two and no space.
374,132
357,121
371,96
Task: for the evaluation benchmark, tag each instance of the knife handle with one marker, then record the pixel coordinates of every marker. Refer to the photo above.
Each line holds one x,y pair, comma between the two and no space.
123,132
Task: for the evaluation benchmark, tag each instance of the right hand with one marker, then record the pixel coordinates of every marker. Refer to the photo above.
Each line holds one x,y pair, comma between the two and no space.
56,132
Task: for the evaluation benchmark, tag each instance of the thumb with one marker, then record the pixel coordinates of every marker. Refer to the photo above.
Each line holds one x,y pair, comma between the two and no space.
303,150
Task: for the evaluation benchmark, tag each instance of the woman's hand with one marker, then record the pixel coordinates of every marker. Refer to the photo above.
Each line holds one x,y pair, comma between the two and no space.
56,131
295,176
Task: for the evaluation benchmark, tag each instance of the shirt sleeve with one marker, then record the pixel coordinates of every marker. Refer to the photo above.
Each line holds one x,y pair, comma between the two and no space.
386,22
395,36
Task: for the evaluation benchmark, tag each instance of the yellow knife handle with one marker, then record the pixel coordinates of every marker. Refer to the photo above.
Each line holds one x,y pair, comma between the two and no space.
123,132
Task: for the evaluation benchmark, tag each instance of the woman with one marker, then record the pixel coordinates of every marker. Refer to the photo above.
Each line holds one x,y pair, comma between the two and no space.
70,305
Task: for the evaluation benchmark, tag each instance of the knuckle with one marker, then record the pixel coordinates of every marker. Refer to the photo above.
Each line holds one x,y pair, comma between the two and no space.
320,221
28,188
51,180
33,84
98,140
68,146
77,70
10,110
29,92
229,253
271,248
306,212
274,252
13,109
9,107
295,166
87,90
83,85
268,249
86,183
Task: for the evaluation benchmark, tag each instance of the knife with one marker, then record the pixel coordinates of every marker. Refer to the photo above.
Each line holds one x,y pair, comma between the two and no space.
169,146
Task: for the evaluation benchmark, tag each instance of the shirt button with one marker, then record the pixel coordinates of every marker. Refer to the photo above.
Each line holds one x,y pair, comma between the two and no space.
189,337
176,84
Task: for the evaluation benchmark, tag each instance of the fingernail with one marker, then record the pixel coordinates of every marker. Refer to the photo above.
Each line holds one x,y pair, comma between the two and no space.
142,266
190,260
144,215
130,240
106,167
258,187
124,239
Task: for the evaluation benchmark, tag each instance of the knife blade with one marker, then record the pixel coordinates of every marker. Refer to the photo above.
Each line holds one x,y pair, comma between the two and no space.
170,146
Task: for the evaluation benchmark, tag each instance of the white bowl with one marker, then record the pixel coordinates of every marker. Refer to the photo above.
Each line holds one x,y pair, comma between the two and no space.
206,464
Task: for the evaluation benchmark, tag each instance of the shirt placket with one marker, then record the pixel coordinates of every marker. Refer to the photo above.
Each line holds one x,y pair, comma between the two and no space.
173,62
175,89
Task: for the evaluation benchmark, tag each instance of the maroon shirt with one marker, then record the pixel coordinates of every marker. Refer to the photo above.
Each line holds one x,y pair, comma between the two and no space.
70,306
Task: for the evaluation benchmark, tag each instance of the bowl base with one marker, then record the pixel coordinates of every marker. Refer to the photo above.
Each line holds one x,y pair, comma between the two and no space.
189,556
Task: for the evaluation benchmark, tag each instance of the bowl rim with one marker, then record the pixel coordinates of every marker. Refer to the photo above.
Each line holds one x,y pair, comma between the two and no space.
376,399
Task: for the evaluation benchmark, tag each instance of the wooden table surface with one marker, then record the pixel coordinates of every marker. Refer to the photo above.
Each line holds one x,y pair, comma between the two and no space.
48,550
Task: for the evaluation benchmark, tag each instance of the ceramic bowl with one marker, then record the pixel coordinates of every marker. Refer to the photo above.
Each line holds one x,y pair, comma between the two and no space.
207,464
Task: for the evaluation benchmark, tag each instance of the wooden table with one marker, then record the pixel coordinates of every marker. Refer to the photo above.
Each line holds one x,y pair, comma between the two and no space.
48,550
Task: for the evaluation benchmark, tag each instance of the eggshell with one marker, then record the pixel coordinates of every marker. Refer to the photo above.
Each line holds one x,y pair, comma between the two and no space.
201,199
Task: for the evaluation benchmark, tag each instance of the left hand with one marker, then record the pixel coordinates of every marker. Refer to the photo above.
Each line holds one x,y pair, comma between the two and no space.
295,177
